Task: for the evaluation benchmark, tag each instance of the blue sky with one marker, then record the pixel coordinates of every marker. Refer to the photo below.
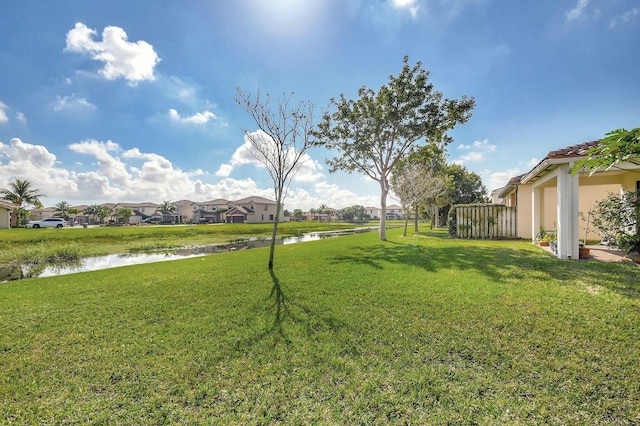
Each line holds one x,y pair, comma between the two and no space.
134,101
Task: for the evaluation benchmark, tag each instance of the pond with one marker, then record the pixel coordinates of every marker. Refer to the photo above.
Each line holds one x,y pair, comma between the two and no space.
116,260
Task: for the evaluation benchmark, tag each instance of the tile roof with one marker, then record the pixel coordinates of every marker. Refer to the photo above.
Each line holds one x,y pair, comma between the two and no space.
567,153
578,150
513,182
7,205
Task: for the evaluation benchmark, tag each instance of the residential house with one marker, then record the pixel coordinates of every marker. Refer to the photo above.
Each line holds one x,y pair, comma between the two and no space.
551,197
6,208
43,213
373,212
210,211
253,210
140,211
394,212
184,209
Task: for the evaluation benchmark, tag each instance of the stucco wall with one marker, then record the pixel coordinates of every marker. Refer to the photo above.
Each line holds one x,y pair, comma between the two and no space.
5,218
591,190
524,211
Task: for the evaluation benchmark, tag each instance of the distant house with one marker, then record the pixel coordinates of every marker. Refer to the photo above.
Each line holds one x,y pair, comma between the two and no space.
6,208
550,197
184,209
210,211
43,213
373,212
140,210
394,212
253,210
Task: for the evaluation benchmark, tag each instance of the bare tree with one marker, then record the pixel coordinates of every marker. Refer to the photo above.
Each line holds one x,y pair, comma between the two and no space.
280,143
416,184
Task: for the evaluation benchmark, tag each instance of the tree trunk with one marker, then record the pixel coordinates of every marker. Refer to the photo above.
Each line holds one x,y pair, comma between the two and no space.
384,189
274,233
416,218
406,223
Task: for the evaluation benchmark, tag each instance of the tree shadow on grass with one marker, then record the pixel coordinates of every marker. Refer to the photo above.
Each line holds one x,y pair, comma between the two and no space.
501,264
279,303
278,315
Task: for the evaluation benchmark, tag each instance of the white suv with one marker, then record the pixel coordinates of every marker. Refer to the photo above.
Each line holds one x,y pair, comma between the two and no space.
50,222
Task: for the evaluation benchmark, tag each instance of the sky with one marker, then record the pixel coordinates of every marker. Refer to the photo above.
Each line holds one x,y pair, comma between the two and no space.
133,101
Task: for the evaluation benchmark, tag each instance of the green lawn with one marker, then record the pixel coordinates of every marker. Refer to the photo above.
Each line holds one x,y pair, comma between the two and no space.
352,330
29,245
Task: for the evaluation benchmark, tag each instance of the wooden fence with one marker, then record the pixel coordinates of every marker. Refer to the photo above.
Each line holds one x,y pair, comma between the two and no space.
486,221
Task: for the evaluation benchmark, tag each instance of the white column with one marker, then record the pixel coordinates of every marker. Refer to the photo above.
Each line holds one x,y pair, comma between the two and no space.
567,191
536,198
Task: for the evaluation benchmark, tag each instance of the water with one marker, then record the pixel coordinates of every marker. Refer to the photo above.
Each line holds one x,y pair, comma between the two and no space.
117,260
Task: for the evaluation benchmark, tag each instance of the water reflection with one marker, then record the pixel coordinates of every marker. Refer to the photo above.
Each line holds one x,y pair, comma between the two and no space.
117,260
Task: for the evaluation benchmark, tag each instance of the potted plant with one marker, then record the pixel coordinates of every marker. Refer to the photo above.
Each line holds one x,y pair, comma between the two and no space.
583,251
541,237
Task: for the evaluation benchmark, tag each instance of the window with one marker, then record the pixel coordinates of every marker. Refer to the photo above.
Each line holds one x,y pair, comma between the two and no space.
270,217
266,207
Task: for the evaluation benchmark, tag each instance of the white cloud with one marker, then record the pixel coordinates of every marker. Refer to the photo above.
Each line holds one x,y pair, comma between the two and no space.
627,17
21,117
133,61
410,5
478,150
337,197
113,174
198,118
472,157
309,170
3,113
73,102
578,11
20,160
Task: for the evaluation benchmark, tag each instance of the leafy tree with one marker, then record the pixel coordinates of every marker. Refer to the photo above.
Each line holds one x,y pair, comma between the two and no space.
167,207
125,213
466,187
92,211
615,217
98,211
298,215
103,212
62,209
280,144
22,194
354,213
618,146
374,132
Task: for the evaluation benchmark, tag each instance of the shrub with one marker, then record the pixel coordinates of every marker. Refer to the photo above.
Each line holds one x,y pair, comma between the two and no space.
616,217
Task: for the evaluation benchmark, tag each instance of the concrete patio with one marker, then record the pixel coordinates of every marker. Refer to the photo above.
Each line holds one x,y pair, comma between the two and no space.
601,253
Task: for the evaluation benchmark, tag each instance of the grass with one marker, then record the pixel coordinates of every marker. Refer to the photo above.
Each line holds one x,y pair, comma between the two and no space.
37,245
417,330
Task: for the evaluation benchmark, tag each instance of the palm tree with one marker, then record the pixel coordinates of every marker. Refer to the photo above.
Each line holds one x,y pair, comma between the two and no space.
21,193
63,209
167,207
92,211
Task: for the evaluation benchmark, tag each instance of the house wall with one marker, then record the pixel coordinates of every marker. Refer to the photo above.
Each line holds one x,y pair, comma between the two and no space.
185,210
591,190
264,213
523,197
5,218
629,181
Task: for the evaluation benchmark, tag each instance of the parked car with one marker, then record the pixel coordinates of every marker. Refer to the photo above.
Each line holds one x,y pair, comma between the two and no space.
151,220
50,222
